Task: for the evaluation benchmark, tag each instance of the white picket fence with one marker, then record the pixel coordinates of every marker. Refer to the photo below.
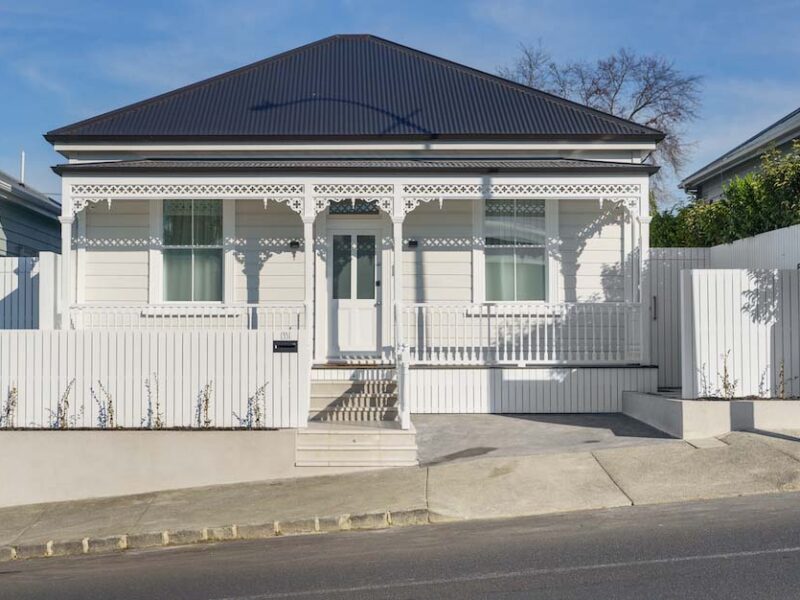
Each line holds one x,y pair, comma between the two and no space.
740,333
177,364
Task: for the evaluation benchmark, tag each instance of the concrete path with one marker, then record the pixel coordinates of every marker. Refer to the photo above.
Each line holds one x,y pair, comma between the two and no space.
482,488
441,438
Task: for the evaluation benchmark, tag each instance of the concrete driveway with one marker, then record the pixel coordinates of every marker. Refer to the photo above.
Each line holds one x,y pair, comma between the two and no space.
447,438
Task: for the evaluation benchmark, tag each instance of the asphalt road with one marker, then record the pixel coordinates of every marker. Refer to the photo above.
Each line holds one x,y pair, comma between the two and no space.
735,548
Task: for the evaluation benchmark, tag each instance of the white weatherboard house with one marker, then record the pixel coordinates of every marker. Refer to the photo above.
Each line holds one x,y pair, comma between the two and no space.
411,235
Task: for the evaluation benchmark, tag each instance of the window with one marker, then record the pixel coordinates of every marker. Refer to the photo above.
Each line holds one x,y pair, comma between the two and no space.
193,250
515,250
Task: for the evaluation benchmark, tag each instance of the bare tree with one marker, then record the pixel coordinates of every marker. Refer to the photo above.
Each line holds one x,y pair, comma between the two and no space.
646,89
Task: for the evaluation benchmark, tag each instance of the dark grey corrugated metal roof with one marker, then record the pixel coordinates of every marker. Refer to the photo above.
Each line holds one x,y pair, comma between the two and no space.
354,86
379,164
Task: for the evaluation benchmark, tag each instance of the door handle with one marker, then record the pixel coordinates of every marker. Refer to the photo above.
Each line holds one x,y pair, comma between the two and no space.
377,284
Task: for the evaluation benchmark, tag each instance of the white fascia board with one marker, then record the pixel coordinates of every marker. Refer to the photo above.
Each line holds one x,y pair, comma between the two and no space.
312,178
421,146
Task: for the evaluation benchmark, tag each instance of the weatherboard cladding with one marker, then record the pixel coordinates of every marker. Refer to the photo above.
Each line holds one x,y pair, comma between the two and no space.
354,86
416,165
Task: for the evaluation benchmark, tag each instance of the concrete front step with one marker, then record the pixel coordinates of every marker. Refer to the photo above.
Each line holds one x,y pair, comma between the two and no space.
327,444
338,388
352,400
340,414
347,456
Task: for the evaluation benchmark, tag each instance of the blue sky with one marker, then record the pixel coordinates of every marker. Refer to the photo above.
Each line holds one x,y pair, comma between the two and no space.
61,62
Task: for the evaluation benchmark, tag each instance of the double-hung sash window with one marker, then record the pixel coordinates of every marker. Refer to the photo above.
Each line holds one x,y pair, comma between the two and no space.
192,250
515,250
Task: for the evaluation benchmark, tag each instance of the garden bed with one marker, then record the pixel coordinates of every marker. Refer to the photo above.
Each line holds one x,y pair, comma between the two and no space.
700,418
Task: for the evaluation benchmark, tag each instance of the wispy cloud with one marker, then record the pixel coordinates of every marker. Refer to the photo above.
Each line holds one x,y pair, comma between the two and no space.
35,75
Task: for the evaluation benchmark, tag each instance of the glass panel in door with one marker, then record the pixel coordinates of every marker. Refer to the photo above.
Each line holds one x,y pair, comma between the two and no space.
365,267
342,273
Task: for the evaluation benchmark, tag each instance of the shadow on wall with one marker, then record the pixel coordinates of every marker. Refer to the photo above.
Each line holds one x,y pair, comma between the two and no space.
19,302
569,254
251,265
772,302
560,390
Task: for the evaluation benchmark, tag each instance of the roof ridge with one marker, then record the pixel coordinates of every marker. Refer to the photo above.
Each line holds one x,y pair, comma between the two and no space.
516,86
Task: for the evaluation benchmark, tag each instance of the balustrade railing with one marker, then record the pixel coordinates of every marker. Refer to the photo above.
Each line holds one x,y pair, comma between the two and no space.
287,318
575,333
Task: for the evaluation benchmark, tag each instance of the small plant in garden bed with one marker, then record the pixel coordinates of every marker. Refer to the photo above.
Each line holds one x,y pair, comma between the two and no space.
253,419
9,410
105,408
154,418
202,417
728,384
60,419
727,392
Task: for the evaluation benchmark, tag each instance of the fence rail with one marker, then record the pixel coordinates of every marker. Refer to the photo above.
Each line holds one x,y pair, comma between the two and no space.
602,332
288,317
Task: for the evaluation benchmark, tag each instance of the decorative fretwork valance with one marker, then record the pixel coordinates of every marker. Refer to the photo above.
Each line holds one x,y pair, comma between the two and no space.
85,193
396,200
521,190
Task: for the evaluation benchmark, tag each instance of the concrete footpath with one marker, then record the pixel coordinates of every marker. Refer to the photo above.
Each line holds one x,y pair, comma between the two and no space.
483,488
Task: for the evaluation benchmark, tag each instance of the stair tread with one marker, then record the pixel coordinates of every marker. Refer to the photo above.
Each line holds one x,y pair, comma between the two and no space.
363,448
357,463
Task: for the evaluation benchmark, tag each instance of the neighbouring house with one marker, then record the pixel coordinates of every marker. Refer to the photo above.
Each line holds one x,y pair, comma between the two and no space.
708,182
412,234
28,220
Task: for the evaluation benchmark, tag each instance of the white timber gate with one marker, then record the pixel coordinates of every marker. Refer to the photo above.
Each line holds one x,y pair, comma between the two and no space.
741,333
666,265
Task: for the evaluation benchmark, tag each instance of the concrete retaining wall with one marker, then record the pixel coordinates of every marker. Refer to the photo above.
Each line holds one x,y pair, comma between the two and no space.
49,466
765,414
693,419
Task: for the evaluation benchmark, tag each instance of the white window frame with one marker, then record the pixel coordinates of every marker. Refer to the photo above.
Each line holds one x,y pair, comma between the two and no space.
157,220
550,249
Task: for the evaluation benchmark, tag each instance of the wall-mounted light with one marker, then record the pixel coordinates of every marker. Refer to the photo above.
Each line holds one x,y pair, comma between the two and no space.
413,243
294,244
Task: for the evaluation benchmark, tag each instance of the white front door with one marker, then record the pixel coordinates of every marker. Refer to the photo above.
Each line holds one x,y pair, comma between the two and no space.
354,294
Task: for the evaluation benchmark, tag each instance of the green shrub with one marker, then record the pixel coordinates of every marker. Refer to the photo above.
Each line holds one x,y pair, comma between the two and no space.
758,202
